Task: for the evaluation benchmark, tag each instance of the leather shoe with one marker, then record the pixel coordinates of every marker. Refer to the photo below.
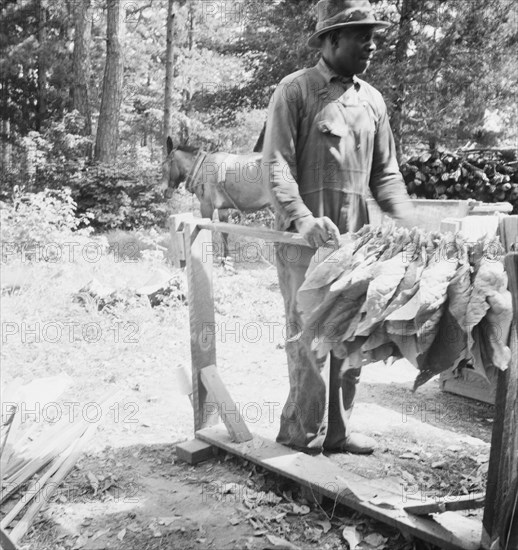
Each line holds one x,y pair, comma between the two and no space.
314,447
355,443
312,451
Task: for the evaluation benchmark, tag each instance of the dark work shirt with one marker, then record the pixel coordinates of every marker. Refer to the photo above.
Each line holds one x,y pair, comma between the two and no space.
327,142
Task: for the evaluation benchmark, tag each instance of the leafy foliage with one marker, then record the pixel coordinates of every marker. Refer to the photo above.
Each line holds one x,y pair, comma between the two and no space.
30,35
458,70
121,196
455,82
41,218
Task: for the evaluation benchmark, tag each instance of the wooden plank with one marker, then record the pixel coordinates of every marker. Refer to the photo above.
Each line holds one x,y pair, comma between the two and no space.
200,295
511,518
470,384
177,246
503,458
467,502
473,227
508,232
227,409
492,207
46,491
264,233
327,478
195,451
428,213
450,225
5,541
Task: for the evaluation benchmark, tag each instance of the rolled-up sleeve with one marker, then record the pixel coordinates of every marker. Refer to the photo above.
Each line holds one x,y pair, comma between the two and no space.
386,182
280,153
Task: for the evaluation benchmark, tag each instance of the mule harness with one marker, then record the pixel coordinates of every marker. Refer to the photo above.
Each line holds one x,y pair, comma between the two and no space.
191,182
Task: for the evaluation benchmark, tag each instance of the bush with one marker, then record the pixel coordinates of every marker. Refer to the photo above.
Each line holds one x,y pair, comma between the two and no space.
122,196
32,220
132,245
125,195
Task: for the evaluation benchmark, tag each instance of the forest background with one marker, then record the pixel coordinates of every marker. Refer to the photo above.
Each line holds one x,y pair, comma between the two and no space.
89,89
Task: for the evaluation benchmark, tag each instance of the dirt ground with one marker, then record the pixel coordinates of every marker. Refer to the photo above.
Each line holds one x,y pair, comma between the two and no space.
129,491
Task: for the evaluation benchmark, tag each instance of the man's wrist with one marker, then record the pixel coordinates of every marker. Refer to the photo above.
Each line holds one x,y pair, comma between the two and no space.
298,221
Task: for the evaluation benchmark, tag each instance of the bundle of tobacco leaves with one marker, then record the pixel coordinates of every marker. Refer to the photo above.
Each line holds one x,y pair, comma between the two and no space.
432,298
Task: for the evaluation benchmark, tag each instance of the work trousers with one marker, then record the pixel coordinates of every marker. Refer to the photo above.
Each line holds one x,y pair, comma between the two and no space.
317,412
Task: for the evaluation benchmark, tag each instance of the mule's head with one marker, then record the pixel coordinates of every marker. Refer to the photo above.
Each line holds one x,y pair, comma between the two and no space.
180,160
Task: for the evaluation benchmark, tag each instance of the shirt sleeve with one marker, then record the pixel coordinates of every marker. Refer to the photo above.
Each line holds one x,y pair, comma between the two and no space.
280,153
386,182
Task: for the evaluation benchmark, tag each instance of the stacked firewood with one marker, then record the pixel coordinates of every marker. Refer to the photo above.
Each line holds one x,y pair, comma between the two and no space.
483,175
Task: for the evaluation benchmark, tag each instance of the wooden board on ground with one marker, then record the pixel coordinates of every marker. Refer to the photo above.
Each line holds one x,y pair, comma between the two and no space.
324,477
194,451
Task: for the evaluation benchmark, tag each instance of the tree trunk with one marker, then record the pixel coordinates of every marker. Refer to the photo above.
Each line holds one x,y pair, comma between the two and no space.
42,66
144,140
108,127
5,154
191,24
168,93
81,63
398,105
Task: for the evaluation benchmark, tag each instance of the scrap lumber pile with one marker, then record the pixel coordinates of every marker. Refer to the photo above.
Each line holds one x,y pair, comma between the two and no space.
435,299
483,175
37,450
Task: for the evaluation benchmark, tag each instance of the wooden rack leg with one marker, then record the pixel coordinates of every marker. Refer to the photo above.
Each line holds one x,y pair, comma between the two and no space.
177,247
503,460
199,259
210,398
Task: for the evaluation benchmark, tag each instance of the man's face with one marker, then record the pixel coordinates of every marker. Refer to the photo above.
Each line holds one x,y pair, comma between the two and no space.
354,50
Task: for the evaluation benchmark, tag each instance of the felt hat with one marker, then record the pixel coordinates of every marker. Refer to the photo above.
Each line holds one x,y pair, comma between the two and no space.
336,14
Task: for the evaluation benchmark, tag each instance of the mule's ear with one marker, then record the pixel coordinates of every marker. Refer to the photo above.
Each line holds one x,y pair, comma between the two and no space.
169,145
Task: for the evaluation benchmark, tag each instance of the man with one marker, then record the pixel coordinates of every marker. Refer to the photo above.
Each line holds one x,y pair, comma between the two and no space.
327,141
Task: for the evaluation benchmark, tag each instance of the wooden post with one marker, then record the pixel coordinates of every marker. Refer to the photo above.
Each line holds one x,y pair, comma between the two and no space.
177,247
199,259
502,476
5,541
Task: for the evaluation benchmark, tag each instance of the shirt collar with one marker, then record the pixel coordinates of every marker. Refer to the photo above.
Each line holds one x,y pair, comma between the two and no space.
330,74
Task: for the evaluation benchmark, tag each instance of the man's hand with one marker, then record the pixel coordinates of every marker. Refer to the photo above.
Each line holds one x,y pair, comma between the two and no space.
317,231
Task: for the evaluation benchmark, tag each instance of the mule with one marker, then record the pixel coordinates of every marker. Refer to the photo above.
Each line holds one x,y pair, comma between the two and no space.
220,181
